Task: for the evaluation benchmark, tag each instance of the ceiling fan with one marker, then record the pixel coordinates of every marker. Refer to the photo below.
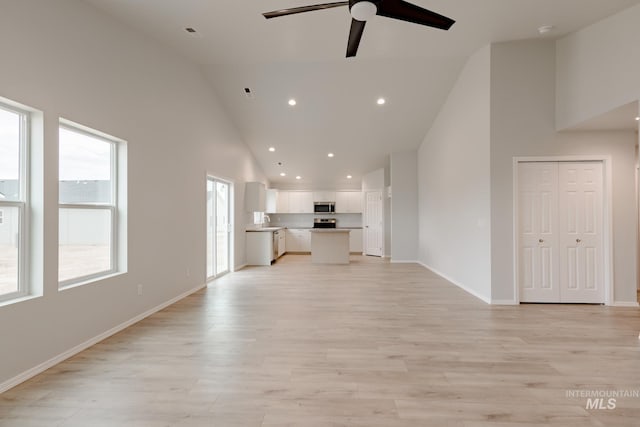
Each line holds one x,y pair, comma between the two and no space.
363,10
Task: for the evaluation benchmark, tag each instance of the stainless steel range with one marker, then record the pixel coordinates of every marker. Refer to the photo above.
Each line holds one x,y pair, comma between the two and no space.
324,223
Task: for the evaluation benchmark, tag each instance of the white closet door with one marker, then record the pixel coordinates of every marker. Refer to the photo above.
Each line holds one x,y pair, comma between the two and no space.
581,223
538,241
373,225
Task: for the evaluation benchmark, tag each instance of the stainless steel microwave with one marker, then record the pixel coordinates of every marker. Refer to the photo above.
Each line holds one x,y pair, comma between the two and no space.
324,207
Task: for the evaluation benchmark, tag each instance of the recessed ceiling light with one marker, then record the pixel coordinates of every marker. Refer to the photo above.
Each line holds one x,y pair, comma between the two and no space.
298,177
330,155
283,174
638,119
272,149
546,29
381,101
349,177
292,102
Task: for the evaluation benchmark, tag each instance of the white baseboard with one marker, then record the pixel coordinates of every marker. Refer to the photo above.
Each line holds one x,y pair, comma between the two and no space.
504,302
30,373
238,268
625,304
460,285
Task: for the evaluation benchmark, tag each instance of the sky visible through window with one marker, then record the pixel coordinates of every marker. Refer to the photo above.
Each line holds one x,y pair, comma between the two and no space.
9,145
83,157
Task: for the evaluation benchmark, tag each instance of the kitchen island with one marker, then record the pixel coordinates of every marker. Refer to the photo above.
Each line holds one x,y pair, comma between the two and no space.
329,246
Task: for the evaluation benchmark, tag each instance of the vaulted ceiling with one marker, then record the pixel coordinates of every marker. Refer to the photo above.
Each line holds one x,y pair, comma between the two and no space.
303,57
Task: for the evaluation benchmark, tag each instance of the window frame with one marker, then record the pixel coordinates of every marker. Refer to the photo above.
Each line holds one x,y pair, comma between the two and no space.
112,208
23,204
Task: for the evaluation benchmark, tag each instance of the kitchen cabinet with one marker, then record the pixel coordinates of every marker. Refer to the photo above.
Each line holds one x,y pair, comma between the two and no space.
355,241
300,202
324,196
298,240
271,201
254,197
259,247
349,202
282,202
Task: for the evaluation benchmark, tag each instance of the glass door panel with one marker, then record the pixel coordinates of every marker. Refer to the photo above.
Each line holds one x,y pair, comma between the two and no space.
211,272
218,227
222,227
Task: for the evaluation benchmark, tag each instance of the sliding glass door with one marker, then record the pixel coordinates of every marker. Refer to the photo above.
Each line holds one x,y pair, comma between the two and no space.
218,227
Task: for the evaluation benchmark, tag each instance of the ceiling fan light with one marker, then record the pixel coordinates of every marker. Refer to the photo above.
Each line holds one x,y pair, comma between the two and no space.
363,10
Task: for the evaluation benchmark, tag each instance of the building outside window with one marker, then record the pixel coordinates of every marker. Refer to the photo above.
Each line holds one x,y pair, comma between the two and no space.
14,149
88,205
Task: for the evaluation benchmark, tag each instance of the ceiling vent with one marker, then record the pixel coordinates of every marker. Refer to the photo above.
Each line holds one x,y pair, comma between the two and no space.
193,33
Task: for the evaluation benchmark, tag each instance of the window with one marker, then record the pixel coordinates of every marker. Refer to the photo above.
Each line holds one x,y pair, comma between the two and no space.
88,205
14,125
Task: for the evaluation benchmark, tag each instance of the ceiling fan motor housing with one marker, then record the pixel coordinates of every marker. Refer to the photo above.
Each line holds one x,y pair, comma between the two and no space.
362,10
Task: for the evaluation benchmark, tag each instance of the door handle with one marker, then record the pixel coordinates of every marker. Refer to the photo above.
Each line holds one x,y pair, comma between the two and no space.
540,241
578,240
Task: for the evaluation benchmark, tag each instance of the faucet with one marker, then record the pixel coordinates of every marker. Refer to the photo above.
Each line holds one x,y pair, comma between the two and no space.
266,219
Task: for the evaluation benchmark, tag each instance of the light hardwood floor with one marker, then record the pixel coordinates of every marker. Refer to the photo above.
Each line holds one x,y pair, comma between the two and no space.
368,344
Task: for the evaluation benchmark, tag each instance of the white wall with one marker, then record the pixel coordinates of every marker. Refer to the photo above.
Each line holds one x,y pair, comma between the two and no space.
598,68
404,206
522,124
373,181
76,62
453,182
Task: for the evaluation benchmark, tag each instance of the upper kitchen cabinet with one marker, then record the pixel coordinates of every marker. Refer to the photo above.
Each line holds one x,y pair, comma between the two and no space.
324,196
254,197
348,202
300,202
272,201
282,202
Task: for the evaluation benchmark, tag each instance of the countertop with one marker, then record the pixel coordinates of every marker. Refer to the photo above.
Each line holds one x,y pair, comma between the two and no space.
311,228
330,230
272,229
265,229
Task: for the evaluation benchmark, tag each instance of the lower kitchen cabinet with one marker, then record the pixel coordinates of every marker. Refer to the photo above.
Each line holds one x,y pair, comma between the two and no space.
355,240
298,240
259,248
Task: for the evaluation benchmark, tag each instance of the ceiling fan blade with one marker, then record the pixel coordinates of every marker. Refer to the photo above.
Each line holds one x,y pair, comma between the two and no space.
311,8
355,34
404,11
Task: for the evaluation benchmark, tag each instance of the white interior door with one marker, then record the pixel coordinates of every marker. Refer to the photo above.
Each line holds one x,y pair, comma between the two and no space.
538,219
373,224
581,224
560,217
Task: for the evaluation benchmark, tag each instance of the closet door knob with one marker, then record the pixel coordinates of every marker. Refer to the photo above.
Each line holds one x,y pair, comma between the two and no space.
541,241
578,240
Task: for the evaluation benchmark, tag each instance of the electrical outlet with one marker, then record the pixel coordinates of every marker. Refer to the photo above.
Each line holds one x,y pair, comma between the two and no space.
140,289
